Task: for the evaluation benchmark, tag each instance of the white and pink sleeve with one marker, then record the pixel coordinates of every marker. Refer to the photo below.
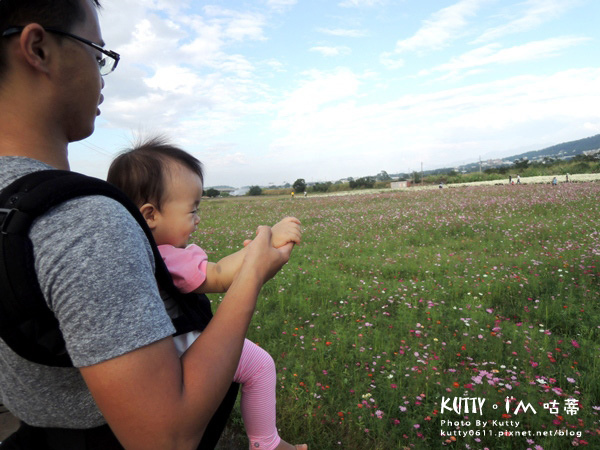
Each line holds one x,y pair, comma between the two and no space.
186,265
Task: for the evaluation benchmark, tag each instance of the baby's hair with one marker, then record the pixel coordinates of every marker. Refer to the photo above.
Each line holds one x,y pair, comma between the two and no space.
141,171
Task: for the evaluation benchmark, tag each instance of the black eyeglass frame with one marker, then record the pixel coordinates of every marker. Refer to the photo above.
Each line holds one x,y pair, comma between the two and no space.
114,55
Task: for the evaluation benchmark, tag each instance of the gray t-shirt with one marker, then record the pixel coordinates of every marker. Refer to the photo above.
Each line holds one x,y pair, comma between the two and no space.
96,270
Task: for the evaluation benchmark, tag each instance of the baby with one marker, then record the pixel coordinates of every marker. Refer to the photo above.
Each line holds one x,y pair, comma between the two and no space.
166,184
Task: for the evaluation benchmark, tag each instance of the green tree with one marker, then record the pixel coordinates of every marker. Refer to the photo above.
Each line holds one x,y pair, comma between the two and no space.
363,182
321,187
522,163
299,185
383,176
212,192
549,160
591,157
255,190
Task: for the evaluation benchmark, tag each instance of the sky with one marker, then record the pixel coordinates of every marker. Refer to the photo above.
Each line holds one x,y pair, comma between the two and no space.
268,91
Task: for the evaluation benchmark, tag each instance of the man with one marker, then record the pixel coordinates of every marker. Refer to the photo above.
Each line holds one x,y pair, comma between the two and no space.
93,262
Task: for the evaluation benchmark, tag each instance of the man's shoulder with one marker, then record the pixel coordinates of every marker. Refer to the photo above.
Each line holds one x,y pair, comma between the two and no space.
95,216
14,167
100,208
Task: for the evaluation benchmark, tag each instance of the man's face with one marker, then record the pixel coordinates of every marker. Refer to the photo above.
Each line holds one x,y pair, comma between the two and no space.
80,78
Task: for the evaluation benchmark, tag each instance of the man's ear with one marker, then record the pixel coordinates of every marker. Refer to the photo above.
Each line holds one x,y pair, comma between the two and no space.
34,46
151,214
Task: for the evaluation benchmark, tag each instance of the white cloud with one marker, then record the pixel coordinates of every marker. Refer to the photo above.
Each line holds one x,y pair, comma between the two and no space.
149,37
320,88
343,32
360,3
494,54
330,51
174,80
170,7
236,25
274,65
391,60
281,5
177,72
535,13
443,27
592,128
217,157
436,127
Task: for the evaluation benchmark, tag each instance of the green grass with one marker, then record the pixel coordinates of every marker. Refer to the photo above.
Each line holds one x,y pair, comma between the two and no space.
394,301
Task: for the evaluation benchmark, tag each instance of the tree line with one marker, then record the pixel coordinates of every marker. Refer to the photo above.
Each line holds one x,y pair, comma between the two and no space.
526,168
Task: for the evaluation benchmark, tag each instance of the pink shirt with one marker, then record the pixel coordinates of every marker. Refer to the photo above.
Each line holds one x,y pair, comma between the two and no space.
186,265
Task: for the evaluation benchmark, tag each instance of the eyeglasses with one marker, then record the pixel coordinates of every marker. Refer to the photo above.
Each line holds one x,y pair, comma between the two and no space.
106,64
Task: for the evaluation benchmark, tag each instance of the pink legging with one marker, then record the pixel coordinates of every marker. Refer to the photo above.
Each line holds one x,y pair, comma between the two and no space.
256,373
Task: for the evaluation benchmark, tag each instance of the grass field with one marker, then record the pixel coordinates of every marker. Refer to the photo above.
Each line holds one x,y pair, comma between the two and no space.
399,306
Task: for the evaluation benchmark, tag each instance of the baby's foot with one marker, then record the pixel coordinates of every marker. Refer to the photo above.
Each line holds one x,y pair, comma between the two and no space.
286,446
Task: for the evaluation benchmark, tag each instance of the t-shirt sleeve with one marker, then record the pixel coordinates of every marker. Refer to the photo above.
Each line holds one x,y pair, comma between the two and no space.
96,271
186,265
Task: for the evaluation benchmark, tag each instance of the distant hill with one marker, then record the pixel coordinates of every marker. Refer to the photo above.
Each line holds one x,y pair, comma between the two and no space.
566,150
561,151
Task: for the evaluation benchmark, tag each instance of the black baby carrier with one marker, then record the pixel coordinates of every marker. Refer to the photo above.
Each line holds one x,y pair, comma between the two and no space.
29,327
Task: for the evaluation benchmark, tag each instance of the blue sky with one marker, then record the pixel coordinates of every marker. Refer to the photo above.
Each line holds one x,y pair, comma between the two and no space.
269,91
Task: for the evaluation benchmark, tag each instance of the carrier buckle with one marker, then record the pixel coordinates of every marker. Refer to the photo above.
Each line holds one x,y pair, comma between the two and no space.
5,217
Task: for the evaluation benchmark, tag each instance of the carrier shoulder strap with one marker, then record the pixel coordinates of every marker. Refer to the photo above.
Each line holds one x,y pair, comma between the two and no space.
27,325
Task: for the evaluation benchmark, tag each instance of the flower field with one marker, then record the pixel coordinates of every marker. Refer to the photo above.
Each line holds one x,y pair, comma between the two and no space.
447,318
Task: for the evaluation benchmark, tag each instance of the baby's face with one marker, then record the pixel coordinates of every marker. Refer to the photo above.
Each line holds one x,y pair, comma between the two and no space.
178,215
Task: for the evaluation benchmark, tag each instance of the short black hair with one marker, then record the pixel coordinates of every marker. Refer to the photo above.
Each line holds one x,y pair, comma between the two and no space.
141,172
59,14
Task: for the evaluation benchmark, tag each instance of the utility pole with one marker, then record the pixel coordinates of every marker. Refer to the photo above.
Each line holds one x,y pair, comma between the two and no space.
421,172
479,163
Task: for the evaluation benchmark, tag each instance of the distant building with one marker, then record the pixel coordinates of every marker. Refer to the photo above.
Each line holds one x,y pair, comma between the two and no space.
400,184
241,191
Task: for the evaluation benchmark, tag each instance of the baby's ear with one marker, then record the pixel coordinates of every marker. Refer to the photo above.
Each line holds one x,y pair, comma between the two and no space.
149,211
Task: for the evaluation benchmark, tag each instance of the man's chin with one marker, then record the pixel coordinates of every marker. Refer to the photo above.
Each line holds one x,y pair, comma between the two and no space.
82,134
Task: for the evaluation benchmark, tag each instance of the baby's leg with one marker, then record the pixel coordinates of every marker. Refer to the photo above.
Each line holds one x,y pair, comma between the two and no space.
256,373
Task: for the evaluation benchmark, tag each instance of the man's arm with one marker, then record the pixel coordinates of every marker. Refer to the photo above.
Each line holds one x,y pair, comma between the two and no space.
151,398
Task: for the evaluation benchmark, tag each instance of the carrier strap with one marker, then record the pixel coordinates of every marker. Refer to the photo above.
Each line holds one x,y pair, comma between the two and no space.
27,325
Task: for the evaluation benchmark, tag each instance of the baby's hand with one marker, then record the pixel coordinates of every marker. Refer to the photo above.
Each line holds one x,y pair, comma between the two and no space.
288,230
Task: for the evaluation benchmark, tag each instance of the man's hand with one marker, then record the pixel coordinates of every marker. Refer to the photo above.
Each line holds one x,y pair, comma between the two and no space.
265,259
